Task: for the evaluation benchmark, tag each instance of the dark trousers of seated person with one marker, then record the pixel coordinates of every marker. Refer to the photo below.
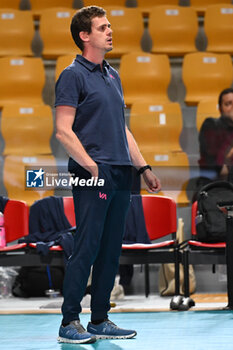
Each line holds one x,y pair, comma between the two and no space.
229,261
100,217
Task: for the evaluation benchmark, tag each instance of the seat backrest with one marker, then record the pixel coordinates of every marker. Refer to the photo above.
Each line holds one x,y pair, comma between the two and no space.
128,29
160,215
156,127
218,26
151,3
61,63
38,6
16,216
22,80
16,32
27,130
173,29
13,4
17,179
68,203
193,215
206,109
201,5
145,77
104,3
147,5
55,32
44,4
205,75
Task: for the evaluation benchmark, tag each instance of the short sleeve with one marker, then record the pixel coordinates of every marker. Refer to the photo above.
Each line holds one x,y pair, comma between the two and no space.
115,73
67,89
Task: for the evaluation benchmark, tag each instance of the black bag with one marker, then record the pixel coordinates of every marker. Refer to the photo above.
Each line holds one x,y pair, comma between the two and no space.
212,201
34,281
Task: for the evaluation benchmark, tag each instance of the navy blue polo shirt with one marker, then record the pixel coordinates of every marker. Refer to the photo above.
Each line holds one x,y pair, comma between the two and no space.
99,121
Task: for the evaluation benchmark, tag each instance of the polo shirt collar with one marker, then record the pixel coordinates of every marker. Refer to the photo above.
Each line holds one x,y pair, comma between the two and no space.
88,64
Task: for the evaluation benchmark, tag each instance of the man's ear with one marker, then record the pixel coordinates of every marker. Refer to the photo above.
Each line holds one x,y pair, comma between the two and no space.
84,36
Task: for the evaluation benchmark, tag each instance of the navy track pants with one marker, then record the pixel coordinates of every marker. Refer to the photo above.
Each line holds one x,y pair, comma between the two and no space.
100,217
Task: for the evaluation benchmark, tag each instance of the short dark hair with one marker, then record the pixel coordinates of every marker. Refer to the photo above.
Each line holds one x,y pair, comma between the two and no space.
224,92
81,22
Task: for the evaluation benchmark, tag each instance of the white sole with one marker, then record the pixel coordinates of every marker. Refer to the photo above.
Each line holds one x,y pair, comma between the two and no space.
115,337
71,341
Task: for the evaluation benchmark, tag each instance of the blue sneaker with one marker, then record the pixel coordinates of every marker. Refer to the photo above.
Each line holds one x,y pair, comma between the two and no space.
75,333
108,330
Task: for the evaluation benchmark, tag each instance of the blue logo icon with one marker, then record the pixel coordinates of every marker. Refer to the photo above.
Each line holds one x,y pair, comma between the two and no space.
35,178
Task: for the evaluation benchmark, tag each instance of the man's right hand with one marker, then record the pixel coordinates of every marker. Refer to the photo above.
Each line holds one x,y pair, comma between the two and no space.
93,170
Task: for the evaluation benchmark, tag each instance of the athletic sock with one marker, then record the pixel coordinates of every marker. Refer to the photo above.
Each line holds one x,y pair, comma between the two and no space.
66,324
96,322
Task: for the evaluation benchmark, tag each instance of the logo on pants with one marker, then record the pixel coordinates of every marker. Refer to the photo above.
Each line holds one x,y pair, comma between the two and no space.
102,195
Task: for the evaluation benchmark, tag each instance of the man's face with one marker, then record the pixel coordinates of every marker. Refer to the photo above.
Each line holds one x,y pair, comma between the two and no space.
226,107
101,34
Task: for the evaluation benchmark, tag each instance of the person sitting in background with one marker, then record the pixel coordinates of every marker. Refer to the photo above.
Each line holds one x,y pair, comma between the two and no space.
216,142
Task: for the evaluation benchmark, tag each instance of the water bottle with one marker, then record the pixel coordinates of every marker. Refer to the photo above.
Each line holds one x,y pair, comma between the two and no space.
7,276
2,231
5,290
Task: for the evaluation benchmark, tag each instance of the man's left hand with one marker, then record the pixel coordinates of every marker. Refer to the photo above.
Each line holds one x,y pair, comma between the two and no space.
151,181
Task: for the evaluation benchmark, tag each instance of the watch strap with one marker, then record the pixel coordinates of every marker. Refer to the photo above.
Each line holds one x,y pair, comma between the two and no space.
143,168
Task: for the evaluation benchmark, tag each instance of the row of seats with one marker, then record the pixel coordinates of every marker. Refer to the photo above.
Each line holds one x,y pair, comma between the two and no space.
173,30
145,5
19,173
27,132
160,219
160,215
145,77
157,130
204,76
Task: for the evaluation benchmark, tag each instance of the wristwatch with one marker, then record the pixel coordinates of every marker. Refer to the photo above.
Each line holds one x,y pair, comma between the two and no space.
143,168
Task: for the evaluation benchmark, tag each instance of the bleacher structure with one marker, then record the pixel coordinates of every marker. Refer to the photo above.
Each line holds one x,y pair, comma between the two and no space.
22,80
201,5
145,77
173,30
16,32
38,6
219,36
125,20
205,75
14,4
55,32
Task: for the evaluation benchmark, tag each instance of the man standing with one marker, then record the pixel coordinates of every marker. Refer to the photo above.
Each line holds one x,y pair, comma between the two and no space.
90,125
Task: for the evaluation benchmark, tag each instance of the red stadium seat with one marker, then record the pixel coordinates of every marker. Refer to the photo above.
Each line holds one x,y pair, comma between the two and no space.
16,215
160,220
69,210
